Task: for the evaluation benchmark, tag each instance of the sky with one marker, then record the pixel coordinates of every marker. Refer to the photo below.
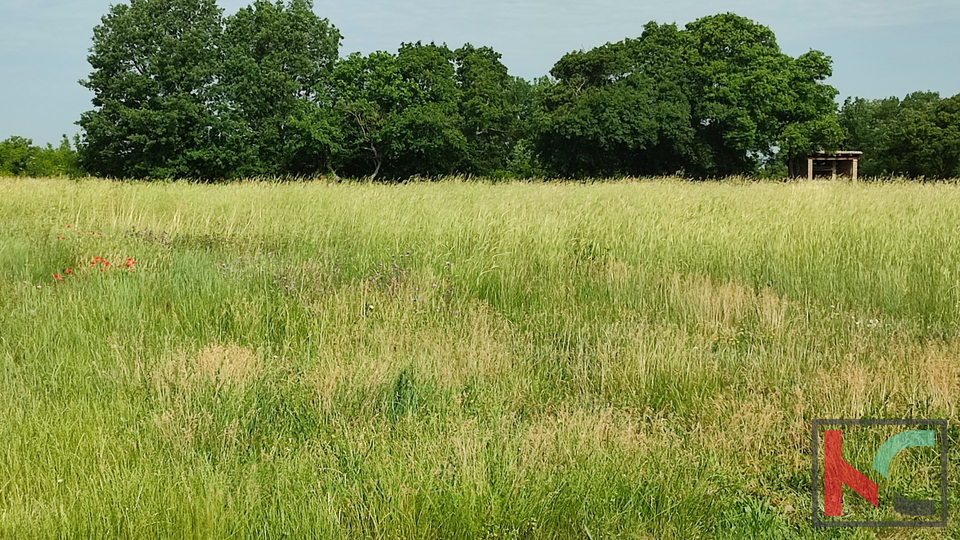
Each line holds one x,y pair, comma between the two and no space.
880,48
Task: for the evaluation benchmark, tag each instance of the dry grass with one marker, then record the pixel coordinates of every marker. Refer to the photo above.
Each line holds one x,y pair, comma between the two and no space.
219,366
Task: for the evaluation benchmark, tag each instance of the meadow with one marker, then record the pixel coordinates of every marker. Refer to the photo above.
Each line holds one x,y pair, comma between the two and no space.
622,359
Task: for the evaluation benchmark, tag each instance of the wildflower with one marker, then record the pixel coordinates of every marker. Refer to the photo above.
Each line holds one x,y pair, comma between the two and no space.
68,271
61,237
68,226
57,277
106,263
93,263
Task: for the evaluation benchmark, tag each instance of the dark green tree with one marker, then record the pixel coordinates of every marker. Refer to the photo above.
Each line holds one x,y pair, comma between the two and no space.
399,113
16,156
927,141
748,98
713,99
279,59
868,126
491,105
425,137
366,92
918,136
156,106
618,109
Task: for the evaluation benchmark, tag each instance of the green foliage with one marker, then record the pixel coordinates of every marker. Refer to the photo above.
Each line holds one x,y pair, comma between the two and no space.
750,99
618,109
18,157
156,106
400,112
491,109
367,90
714,98
423,136
181,92
918,136
278,62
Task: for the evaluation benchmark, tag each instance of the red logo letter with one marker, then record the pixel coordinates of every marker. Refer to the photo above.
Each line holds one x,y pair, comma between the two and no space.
837,472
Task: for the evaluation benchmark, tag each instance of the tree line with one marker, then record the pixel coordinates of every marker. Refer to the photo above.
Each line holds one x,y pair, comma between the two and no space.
918,136
180,90
20,157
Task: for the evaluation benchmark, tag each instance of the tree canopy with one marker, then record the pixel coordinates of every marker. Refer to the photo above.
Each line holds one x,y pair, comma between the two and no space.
182,91
717,97
916,136
157,111
19,157
278,59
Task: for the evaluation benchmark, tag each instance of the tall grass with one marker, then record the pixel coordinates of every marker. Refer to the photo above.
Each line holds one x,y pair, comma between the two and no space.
458,360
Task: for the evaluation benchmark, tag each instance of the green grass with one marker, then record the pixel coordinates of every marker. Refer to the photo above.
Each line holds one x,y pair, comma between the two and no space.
460,360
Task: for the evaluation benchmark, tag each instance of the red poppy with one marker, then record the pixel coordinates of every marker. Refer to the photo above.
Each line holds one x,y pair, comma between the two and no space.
93,263
106,263
60,237
57,277
68,271
68,226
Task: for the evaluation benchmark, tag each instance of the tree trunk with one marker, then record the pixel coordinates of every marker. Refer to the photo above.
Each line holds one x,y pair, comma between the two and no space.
377,161
331,169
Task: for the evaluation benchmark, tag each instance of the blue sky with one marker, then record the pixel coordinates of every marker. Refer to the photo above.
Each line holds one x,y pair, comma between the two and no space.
880,47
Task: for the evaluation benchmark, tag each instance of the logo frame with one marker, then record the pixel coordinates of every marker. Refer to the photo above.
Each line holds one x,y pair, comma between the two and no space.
816,480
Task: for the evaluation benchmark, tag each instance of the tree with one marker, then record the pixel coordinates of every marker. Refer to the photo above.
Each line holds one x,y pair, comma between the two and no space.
916,136
399,113
19,157
279,58
488,107
715,98
366,92
618,109
927,141
424,137
155,64
16,156
749,98
868,126
50,161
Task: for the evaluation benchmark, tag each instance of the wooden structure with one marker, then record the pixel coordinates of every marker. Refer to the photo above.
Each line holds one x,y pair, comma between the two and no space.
833,164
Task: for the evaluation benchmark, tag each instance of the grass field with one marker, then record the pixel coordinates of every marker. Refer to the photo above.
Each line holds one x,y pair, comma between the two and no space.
462,360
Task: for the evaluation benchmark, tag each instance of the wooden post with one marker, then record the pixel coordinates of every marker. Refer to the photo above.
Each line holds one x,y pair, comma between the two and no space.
810,168
854,168
833,169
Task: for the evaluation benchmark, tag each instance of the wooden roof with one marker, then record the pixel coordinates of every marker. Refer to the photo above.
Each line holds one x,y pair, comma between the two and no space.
838,153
